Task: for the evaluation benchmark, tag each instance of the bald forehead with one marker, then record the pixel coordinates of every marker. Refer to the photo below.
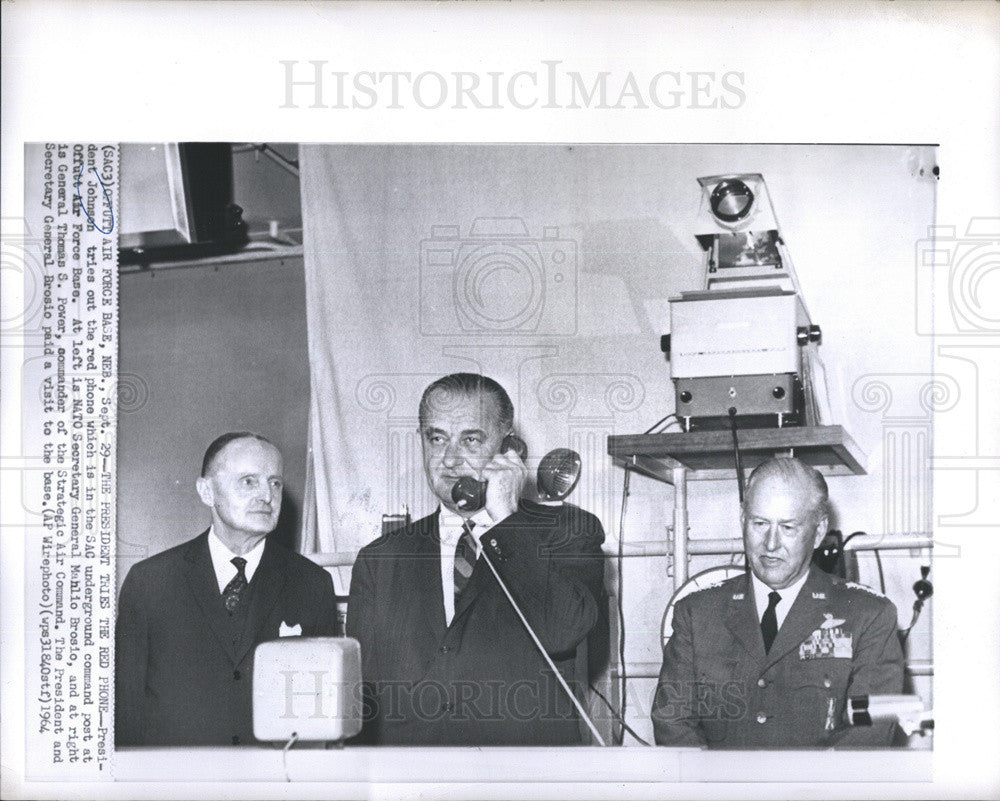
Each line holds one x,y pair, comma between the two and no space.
447,402
239,452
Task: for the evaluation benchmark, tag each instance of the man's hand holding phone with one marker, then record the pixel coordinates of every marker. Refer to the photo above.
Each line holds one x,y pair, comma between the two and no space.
505,475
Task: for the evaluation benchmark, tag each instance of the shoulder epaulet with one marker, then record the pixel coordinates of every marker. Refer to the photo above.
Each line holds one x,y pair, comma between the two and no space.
855,586
729,582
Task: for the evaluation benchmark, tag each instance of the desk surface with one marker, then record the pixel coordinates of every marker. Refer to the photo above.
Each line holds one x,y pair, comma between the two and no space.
366,765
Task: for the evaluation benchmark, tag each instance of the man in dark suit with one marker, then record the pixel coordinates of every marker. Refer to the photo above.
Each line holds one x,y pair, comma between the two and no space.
190,617
768,660
445,658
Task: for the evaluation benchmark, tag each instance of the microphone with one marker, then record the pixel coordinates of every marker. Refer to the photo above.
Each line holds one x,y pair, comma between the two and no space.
907,710
558,473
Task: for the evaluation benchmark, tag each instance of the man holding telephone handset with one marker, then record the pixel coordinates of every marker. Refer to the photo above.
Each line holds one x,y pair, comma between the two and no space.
445,658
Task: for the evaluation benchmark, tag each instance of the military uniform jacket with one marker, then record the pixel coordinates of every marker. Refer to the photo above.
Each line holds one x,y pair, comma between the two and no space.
183,666
479,680
718,688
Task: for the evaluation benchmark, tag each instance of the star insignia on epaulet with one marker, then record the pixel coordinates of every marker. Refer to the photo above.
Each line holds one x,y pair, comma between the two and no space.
855,586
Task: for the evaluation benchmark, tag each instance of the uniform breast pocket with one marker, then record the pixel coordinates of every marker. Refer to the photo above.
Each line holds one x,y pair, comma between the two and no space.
819,689
828,674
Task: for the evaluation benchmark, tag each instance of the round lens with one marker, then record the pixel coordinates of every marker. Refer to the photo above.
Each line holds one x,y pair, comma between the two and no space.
731,201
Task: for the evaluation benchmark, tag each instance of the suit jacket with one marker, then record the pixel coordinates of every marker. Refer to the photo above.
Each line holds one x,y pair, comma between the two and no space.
479,680
718,687
182,670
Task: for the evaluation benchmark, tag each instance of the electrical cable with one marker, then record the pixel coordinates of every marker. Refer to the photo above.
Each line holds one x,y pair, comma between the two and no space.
740,485
623,677
850,537
538,644
904,634
881,574
284,754
289,165
653,427
611,709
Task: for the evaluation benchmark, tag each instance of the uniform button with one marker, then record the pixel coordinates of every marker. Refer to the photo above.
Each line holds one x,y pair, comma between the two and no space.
237,675
761,683
493,543
761,717
444,649
236,739
826,681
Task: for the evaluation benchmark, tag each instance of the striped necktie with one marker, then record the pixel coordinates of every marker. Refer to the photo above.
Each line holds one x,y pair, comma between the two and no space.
465,557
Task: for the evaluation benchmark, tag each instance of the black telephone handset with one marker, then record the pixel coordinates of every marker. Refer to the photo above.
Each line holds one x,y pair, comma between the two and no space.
468,494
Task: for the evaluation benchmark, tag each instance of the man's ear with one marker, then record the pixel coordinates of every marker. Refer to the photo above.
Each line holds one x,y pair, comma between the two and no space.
204,487
821,528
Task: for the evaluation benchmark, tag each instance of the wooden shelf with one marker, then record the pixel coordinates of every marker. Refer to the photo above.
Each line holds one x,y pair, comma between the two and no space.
708,455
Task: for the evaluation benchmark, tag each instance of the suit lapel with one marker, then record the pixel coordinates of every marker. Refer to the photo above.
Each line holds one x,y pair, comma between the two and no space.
426,576
741,620
204,586
803,618
478,581
269,579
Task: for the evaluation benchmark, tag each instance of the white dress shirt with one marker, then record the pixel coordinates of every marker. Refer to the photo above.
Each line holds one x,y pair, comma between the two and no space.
225,570
788,596
450,530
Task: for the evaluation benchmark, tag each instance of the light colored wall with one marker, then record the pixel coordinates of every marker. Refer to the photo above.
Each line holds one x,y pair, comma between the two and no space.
204,350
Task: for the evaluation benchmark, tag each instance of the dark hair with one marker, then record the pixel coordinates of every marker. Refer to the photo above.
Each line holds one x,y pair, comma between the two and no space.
793,470
212,453
464,385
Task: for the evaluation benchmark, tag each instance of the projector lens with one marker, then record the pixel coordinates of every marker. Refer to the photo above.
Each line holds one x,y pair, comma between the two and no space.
731,201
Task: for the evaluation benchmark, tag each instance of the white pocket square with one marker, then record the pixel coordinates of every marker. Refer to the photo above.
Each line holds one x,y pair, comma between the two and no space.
284,630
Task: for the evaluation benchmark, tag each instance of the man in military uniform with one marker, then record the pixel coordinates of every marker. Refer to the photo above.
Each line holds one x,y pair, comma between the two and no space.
768,660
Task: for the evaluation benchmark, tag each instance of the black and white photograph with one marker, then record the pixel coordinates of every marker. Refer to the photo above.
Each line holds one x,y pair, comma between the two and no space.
574,296
526,460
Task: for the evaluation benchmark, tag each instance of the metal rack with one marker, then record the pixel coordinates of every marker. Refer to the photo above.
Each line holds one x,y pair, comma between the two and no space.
676,458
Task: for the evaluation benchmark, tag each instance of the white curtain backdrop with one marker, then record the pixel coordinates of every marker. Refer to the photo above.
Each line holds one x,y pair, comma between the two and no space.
561,301
560,290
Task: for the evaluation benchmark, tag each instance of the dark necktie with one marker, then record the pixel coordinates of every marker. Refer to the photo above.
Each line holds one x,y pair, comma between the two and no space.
769,621
234,589
465,557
